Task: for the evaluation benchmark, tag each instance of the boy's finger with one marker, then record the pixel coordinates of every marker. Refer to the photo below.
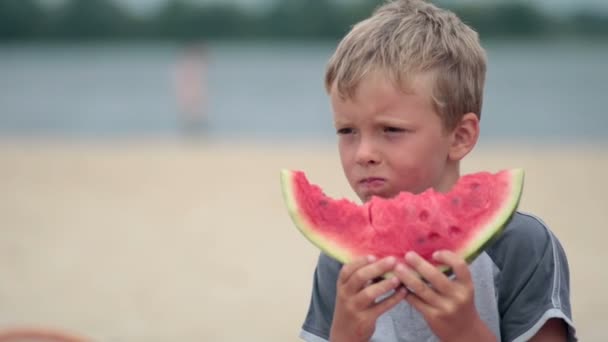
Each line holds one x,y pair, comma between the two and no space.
366,297
425,309
351,267
414,284
436,278
457,263
367,273
389,302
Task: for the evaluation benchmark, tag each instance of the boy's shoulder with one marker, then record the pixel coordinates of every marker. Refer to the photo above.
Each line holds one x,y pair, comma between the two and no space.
526,240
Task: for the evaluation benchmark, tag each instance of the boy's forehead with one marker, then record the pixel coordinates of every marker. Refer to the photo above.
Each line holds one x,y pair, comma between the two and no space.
378,84
382,98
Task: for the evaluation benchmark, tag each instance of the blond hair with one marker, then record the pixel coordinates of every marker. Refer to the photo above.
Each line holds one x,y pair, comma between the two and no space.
405,38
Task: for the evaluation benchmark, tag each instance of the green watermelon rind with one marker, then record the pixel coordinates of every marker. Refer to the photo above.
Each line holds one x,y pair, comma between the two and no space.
472,249
304,226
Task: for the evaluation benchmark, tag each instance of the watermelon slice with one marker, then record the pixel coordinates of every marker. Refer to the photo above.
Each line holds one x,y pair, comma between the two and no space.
463,220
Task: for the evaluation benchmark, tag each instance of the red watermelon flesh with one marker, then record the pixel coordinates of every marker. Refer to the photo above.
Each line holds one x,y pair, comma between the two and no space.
463,220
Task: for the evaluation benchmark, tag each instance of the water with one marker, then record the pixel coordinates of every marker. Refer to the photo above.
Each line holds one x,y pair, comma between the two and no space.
553,90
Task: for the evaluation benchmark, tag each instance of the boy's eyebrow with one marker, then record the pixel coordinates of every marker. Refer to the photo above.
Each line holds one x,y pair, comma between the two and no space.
339,122
393,119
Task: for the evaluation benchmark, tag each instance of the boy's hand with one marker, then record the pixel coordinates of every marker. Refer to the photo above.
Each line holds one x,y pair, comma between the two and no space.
356,307
448,306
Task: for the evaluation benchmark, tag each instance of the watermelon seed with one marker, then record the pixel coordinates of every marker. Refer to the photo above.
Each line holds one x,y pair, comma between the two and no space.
454,230
474,185
424,215
421,240
434,236
455,200
323,203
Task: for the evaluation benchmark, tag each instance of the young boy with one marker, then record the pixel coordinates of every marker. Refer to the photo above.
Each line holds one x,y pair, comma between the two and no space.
406,88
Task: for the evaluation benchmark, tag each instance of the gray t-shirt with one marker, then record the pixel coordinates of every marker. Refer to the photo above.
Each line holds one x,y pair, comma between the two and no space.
521,281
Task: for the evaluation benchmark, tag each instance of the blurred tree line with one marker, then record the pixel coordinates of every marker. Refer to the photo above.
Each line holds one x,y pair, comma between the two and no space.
287,19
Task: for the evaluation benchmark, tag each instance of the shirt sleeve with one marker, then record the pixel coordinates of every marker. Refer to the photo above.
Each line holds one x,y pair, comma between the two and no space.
317,324
533,282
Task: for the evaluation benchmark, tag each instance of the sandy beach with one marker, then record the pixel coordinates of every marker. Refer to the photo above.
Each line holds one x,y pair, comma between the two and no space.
165,241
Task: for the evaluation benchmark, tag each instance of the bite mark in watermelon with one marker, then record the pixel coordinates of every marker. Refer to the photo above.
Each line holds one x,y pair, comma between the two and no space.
464,220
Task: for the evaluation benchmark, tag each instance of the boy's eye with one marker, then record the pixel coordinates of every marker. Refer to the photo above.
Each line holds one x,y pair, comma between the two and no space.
390,129
344,131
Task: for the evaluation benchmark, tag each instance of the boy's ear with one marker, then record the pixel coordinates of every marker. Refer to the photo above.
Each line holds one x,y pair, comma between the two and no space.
464,136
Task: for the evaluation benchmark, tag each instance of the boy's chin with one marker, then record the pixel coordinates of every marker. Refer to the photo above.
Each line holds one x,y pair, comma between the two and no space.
365,197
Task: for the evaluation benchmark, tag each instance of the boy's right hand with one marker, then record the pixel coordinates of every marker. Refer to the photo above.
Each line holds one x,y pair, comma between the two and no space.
356,309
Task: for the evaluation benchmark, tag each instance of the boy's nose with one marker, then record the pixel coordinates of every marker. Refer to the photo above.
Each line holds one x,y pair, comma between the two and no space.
367,153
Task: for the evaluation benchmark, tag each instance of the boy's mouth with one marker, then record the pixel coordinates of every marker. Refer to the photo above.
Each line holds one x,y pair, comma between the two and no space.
372,182
372,186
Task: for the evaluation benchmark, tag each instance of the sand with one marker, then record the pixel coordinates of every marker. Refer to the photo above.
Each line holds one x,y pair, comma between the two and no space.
164,241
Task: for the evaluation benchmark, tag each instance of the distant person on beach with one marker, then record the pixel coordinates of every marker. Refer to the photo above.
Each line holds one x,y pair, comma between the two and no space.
190,80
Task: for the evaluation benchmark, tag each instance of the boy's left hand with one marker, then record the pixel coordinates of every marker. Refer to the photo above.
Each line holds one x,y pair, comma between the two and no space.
448,306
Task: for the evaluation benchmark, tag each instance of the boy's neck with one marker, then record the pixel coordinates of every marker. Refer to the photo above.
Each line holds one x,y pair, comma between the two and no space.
450,177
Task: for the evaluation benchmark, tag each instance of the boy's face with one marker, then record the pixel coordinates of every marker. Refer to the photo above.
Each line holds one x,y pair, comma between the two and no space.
391,141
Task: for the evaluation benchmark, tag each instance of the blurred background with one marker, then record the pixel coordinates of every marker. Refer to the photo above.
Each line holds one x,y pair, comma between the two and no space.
124,123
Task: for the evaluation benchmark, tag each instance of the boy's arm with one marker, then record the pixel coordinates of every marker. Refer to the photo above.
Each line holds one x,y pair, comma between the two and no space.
554,330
